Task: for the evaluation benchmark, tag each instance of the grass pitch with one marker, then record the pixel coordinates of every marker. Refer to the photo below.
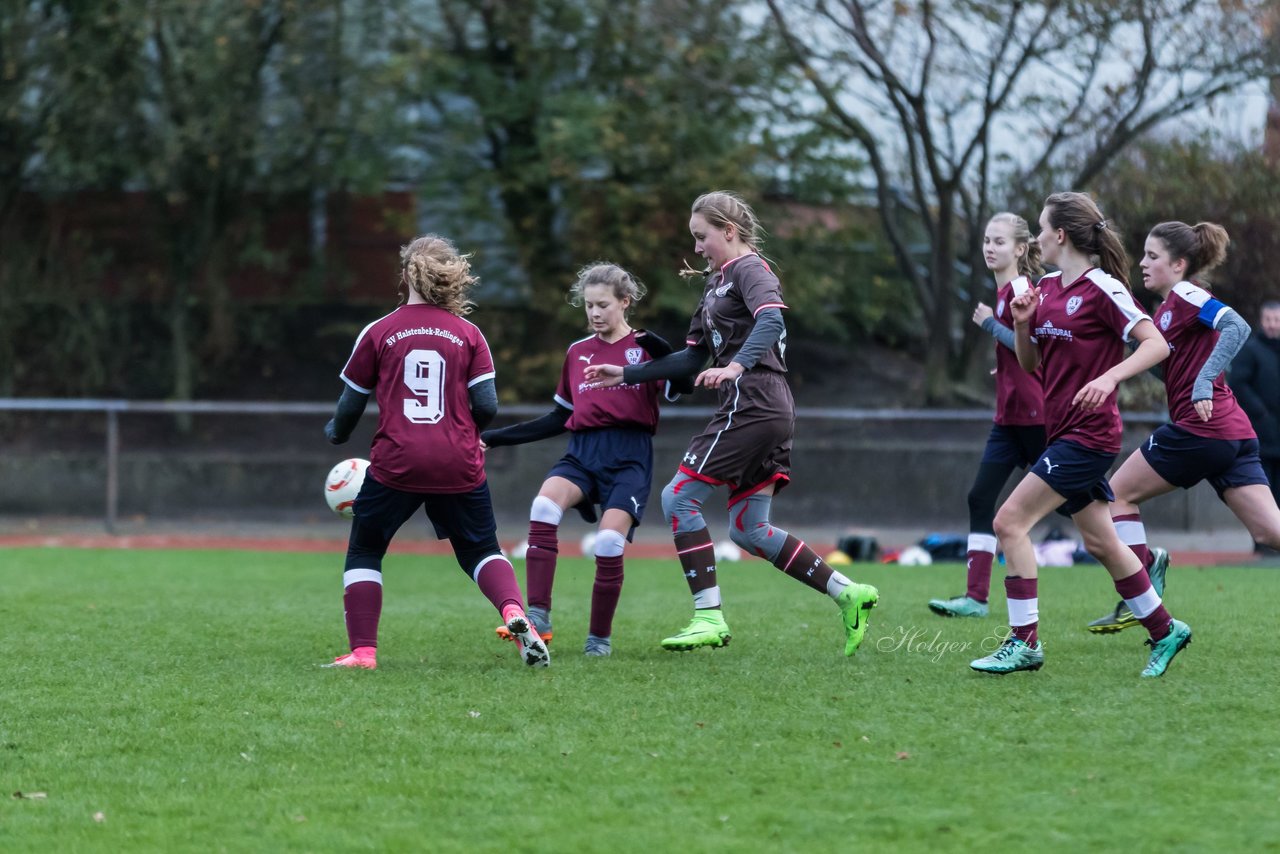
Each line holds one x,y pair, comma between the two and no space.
170,701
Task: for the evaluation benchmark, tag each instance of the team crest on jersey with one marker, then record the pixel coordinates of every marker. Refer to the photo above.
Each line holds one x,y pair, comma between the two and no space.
1166,319
1073,305
716,339
723,289
633,355
1000,307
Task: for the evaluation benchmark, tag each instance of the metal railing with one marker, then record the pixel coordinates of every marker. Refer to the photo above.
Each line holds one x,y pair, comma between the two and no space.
112,409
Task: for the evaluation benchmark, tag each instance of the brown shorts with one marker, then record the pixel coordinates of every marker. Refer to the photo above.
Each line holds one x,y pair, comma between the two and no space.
747,444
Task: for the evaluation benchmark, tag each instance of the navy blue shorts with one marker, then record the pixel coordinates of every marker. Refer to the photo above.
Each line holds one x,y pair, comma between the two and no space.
613,466
1184,459
465,519
1014,445
1077,473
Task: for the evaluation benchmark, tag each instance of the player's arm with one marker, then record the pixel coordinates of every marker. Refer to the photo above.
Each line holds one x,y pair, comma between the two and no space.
657,347
347,414
484,402
1000,332
544,427
1233,331
680,364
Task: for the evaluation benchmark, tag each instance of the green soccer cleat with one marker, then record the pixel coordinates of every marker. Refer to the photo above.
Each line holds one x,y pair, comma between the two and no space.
958,606
1117,621
1163,650
1013,655
707,628
1159,564
856,602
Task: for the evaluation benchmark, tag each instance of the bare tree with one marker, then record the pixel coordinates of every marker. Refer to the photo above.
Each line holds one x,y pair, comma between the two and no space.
959,105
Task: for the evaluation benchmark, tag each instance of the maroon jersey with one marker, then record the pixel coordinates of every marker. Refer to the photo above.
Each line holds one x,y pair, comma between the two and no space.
1187,319
1081,329
732,298
1019,395
634,406
419,361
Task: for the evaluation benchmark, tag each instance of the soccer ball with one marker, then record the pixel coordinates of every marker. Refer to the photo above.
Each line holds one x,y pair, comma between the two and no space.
914,556
343,485
727,551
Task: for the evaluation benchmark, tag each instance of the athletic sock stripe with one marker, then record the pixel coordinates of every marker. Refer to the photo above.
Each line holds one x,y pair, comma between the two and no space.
355,576
475,573
1024,612
1131,533
982,543
799,546
695,548
1145,604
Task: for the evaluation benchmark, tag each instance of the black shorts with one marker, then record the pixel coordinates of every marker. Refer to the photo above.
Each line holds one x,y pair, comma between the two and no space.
1015,445
465,519
612,466
1077,473
1184,459
747,444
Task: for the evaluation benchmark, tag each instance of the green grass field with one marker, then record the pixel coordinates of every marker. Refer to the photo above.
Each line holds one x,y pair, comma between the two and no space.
170,701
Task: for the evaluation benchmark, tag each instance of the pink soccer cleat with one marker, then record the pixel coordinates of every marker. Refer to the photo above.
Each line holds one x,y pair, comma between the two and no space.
533,650
365,657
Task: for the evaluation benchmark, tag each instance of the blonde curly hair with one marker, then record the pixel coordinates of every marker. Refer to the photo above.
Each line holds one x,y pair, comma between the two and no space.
434,268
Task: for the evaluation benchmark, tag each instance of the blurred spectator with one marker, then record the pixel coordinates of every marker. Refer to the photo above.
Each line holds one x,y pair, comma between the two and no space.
1255,377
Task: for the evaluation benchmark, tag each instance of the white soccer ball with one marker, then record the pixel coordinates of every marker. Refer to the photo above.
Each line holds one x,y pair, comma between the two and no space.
727,551
588,544
343,485
914,556
519,550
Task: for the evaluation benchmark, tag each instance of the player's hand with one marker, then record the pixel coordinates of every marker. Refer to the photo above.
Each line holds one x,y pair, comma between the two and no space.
1024,305
714,377
981,312
331,433
1204,408
1094,393
603,376
483,446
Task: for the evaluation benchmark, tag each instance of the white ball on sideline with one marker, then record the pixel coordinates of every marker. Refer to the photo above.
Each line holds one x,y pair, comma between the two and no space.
915,556
589,544
727,551
343,485
519,550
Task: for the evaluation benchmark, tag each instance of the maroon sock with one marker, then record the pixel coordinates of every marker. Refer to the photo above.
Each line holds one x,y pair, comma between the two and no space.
604,595
540,564
1017,590
362,602
1140,549
697,559
803,564
1131,589
497,581
979,582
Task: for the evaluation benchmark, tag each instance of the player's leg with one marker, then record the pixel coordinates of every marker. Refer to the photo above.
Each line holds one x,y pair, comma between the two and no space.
682,501
380,511
1031,500
545,514
1255,506
611,542
751,528
1167,635
1135,482
466,520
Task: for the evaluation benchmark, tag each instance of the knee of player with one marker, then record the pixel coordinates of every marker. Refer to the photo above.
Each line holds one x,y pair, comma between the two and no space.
546,511
610,543
1008,527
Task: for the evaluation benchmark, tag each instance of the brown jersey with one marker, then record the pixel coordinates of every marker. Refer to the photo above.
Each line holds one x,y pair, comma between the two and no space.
733,296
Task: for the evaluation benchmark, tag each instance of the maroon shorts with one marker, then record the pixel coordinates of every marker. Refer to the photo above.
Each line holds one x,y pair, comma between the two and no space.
747,444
